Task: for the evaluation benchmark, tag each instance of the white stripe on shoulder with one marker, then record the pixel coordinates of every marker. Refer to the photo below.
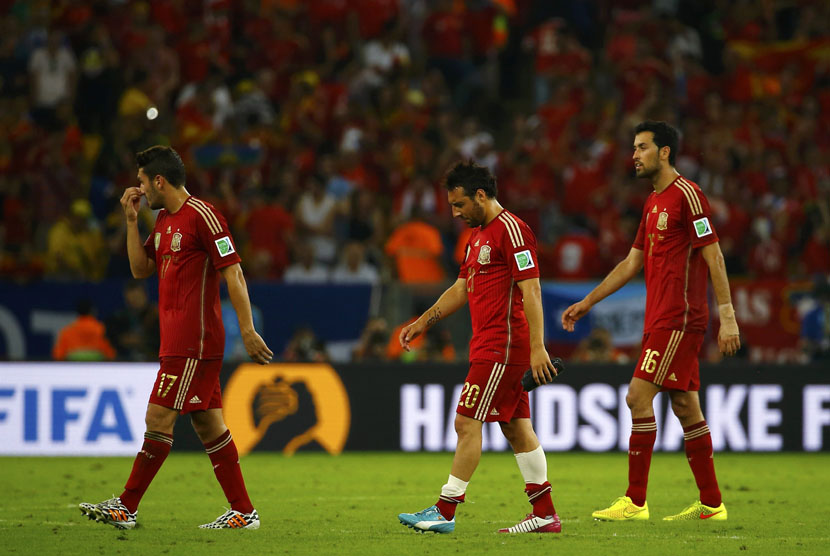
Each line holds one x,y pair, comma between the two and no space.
510,218
206,216
691,195
209,211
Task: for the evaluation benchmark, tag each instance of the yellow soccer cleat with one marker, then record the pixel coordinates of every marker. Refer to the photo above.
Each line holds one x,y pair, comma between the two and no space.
622,509
699,511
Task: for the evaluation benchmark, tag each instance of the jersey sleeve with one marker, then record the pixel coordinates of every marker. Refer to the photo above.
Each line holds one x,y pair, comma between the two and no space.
212,229
698,218
150,243
640,239
519,246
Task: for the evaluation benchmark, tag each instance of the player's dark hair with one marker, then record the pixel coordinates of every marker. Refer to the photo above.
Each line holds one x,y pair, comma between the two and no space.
471,177
665,135
162,161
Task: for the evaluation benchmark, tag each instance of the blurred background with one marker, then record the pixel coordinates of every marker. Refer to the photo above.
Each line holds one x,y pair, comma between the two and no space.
321,130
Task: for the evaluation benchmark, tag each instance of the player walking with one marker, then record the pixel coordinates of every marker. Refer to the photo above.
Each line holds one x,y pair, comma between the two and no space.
500,279
190,246
677,245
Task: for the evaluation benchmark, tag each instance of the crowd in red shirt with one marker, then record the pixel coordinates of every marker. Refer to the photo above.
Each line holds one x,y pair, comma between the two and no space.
372,99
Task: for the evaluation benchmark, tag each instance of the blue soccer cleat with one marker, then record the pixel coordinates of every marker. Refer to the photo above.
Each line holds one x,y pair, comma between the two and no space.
429,519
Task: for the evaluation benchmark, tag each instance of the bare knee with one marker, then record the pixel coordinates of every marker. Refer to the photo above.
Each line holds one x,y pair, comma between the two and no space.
160,419
510,432
466,427
638,403
208,424
686,409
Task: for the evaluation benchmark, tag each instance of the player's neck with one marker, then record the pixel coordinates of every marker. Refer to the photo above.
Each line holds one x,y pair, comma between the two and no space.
176,199
664,178
492,208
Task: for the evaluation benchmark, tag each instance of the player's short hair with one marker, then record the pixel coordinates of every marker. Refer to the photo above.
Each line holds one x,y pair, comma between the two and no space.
162,161
471,177
665,135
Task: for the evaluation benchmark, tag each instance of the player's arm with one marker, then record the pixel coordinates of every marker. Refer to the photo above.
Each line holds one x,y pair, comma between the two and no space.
450,301
729,340
141,265
238,292
627,269
543,369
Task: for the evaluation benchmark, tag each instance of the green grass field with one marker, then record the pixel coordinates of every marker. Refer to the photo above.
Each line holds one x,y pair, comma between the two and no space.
318,504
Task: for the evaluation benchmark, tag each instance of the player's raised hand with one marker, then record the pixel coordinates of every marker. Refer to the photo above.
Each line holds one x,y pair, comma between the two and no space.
130,202
256,348
573,314
409,333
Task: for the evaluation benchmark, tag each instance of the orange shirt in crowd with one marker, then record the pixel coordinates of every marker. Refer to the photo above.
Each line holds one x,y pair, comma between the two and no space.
416,247
83,340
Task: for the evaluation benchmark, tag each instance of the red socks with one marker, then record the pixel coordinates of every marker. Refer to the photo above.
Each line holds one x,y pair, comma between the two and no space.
447,504
225,460
147,463
699,452
640,447
539,496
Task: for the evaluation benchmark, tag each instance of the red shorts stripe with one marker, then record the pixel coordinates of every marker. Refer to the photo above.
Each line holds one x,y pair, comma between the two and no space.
493,392
186,384
669,359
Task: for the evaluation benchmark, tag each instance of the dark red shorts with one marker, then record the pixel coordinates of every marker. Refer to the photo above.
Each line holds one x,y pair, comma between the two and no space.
670,359
188,384
493,392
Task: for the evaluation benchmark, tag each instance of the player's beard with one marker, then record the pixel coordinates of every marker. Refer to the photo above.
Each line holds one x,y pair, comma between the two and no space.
647,172
476,218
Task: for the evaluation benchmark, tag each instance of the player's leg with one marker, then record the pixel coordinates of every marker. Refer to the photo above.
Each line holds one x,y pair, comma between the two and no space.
698,441
534,469
646,383
210,427
475,404
158,440
440,517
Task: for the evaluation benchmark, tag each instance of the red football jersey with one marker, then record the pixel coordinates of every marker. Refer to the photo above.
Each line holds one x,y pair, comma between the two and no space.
499,254
675,224
189,247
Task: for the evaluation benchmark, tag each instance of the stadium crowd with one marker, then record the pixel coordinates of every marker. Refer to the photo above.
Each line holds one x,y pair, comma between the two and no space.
321,129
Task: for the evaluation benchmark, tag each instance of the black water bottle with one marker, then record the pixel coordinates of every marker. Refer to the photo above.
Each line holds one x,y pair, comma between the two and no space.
527,380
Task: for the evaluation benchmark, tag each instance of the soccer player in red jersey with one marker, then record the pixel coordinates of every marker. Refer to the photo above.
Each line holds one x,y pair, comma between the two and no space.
677,246
189,247
500,279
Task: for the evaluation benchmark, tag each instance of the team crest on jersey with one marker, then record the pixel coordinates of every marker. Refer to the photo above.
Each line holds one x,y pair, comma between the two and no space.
663,220
157,239
176,242
484,255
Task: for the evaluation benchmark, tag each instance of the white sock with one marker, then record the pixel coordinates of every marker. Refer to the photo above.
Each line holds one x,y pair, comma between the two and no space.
533,465
454,488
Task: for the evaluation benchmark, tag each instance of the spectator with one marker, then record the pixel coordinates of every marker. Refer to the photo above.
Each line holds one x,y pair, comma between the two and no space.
305,269
134,330
76,247
314,216
354,269
416,249
53,78
84,339
372,344
597,348
305,347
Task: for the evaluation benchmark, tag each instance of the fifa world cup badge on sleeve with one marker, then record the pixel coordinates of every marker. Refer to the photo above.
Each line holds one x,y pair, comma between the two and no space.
524,260
224,246
702,227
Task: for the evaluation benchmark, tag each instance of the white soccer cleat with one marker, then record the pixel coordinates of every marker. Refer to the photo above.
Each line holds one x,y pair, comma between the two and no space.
112,512
233,519
535,524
